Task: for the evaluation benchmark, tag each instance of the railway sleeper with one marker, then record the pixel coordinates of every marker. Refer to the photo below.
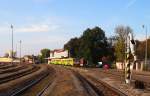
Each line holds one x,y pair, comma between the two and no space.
106,89
101,88
14,88
29,83
90,88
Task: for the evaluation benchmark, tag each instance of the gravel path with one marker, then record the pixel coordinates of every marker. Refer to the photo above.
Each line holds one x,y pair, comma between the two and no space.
65,84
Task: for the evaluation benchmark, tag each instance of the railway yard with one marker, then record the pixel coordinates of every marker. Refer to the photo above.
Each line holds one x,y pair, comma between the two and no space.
58,80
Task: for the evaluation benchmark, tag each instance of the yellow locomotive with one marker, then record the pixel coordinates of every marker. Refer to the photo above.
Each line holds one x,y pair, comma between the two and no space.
67,61
64,61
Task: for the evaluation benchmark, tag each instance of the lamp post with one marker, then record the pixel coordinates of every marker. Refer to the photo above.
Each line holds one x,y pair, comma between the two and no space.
12,45
146,44
20,50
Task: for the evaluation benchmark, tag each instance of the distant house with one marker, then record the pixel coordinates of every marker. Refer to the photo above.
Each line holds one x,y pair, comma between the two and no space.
59,53
28,59
3,59
9,53
8,60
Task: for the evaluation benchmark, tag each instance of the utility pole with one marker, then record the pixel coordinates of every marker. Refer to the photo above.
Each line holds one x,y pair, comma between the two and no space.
12,46
146,44
20,50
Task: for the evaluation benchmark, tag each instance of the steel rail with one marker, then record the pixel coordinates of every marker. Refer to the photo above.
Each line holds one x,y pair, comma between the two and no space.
117,91
91,89
44,89
17,75
103,84
30,85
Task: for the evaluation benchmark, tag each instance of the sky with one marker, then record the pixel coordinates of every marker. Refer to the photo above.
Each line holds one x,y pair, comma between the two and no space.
51,23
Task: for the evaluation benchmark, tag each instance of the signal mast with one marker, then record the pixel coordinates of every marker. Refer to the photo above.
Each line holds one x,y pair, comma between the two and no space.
130,55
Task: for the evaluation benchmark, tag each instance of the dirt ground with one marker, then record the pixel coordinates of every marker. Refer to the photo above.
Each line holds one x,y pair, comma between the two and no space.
77,81
65,84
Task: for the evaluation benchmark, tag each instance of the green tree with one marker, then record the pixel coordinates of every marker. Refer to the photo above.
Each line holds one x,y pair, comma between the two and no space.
92,45
45,53
121,34
73,47
6,55
140,49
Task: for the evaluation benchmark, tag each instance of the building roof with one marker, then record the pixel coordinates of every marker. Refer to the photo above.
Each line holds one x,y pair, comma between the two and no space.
57,51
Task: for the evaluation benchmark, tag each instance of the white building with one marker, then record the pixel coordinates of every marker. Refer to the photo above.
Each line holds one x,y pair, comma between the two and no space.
10,53
59,53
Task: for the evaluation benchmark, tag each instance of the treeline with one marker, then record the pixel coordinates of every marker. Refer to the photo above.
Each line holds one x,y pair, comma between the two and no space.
92,45
119,46
44,53
140,49
121,33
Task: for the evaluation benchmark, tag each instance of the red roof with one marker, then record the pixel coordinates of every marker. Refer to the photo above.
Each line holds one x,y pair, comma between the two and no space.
57,51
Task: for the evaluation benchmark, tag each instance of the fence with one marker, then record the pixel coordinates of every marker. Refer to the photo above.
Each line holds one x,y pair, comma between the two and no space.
139,66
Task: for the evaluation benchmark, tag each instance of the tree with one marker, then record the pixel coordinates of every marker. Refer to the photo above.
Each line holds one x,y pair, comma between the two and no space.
45,53
140,49
92,45
73,47
6,55
121,34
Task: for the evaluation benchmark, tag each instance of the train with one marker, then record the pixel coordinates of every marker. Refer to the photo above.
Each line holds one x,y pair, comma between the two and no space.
68,61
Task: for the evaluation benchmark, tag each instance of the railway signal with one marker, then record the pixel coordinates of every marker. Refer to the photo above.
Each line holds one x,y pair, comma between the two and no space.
130,55
127,69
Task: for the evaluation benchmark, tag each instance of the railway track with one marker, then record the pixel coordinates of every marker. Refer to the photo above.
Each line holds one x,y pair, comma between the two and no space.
22,81
38,86
91,89
3,64
13,69
140,80
7,66
33,82
14,75
45,88
106,88
96,87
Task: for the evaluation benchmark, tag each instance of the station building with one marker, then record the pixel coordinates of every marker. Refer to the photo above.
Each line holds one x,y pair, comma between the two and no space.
59,53
8,57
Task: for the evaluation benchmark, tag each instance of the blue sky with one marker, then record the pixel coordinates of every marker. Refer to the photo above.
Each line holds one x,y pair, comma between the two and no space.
51,23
